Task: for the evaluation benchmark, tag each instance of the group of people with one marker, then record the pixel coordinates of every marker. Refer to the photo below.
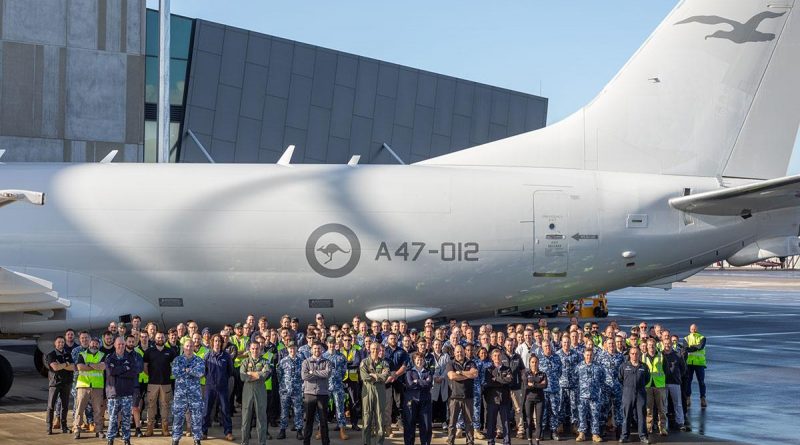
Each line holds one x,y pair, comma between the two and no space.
378,377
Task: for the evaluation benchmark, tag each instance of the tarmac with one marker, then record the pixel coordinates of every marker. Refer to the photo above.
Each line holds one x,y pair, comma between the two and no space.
753,377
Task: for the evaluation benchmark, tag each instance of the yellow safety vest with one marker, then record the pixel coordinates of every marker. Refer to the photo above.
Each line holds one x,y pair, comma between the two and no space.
202,354
143,377
241,346
268,382
656,367
351,374
696,358
93,378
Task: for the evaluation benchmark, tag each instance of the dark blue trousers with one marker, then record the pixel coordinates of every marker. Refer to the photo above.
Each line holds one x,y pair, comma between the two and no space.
634,407
701,379
417,414
214,396
492,409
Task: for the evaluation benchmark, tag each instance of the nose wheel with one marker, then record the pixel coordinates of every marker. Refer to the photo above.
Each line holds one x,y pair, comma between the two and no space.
6,376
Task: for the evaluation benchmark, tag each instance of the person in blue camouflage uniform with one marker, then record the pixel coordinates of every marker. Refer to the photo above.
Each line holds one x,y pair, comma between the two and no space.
570,359
481,363
188,369
120,383
591,379
550,364
611,360
336,383
290,388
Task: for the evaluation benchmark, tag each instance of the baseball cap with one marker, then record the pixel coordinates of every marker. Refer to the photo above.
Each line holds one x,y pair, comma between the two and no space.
237,325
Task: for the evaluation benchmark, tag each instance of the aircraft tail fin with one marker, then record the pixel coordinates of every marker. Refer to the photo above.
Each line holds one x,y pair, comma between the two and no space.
713,92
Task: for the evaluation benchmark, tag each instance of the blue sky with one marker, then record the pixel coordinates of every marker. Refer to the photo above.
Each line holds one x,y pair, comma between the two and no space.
566,51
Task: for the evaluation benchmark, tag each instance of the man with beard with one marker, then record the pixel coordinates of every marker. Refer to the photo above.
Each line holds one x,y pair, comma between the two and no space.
157,365
89,386
121,382
219,368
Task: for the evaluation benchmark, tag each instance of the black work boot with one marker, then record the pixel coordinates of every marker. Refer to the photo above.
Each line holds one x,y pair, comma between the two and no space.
197,442
282,434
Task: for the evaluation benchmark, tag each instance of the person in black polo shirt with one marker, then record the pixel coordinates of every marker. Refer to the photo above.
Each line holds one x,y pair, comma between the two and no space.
60,371
461,374
158,367
497,378
398,363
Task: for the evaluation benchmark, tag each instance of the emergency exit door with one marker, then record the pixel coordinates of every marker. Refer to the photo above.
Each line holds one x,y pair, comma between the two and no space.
550,232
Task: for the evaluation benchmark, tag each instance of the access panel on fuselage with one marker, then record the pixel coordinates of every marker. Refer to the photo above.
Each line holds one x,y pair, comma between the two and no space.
550,232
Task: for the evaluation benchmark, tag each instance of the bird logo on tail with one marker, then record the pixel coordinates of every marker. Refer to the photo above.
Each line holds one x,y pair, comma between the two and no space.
741,32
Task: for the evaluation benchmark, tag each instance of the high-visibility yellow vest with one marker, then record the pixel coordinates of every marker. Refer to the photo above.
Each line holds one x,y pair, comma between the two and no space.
697,358
656,367
202,354
268,383
143,377
93,378
351,374
241,346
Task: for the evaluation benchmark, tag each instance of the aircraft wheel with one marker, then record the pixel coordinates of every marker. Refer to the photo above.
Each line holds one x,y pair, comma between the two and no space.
38,362
553,313
6,376
528,314
598,312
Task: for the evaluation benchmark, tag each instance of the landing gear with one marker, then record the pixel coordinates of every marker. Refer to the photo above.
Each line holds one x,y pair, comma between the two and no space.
6,376
38,361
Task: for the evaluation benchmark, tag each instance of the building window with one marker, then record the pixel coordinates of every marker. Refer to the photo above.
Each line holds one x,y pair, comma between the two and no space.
181,34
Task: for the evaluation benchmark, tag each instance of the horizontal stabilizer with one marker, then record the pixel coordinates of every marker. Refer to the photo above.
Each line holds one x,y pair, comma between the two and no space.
772,194
20,292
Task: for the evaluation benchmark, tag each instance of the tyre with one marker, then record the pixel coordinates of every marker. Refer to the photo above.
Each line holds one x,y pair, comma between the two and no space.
528,314
38,362
598,312
6,376
553,314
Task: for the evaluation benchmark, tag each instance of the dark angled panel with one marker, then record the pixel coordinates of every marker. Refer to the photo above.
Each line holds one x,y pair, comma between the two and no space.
439,145
273,124
366,85
426,94
258,49
346,70
205,79
222,151
227,113
268,156
360,136
459,138
500,101
401,144
303,62
384,119
234,52
339,151
210,37
464,97
200,120
299,101
406,97
497,131
536,113
255,86
247,140
280,68
482,107
319,120
443,111
324,78
342,116
387,79
423,128
516,114
296,137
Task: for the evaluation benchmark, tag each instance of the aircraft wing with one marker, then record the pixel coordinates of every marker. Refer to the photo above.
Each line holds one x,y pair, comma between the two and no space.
21,292
744,200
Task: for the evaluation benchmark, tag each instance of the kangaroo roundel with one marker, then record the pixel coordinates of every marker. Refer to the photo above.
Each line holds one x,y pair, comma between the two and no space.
333,250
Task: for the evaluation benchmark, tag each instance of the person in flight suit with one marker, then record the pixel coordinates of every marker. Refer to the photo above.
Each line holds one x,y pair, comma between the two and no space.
373,372
254,370
592,379
188,369
290,388
418,382
634,377
219,368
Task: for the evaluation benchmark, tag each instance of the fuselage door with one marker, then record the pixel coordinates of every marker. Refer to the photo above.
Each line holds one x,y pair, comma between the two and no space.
550,232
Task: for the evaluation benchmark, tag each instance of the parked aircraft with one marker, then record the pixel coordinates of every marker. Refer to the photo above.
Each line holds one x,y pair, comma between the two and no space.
678,163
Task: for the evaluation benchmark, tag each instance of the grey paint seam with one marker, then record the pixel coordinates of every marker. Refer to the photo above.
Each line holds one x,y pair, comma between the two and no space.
101,24
38,90
123,27
62,92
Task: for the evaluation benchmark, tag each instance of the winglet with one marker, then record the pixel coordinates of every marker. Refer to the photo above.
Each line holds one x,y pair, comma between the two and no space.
109,157
354,160
286,157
